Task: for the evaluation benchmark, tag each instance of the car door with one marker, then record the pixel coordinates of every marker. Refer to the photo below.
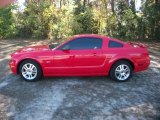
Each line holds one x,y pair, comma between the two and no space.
62,62
86,55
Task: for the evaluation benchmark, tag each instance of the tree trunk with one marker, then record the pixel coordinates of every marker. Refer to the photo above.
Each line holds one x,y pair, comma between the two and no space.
84,3
132,2
112,6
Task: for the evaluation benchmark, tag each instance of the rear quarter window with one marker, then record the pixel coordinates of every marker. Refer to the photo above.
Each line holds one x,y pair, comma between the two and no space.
114,44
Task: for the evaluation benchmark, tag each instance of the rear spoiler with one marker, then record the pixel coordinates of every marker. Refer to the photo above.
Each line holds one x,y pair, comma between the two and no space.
142,45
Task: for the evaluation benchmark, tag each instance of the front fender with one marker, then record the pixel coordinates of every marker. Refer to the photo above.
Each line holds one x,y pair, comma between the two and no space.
25,57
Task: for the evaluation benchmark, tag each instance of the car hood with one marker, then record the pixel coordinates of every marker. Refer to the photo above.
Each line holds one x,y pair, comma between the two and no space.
31,49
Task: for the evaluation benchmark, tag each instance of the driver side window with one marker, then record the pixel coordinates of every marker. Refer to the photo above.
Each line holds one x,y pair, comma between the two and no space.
83,43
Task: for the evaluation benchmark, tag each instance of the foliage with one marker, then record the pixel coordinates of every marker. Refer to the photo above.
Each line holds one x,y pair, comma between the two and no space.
84,22
127,21
60,19
7,25
150,19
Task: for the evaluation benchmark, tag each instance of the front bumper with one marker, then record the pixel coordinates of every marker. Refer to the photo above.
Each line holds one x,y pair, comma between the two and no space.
12,64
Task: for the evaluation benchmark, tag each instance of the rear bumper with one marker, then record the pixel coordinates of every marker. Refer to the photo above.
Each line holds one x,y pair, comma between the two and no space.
141,66
12,64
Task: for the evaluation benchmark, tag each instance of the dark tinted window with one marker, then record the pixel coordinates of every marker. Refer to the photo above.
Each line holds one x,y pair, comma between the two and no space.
114,44
84,43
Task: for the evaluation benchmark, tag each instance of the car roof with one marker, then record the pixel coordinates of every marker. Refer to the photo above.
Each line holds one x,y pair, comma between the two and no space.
90,35
98,36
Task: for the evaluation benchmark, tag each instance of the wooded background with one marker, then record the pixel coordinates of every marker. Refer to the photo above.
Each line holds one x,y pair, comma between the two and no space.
59,19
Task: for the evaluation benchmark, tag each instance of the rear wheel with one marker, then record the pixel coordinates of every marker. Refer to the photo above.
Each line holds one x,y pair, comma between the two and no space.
30,70
121,71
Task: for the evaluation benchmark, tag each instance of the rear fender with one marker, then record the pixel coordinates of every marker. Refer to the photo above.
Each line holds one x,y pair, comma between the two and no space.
118,58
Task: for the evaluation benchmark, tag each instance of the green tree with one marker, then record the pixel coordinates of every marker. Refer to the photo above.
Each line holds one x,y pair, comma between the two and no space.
84,21
7,24
60,19
150,19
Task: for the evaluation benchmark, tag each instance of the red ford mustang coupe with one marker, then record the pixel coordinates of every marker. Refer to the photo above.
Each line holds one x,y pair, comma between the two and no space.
82,55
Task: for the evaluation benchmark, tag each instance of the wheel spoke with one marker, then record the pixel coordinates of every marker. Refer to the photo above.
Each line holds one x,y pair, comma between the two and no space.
34,72
121,67
126,69
117,72
25,73
120,76
25,67
30,66
125,75
29,77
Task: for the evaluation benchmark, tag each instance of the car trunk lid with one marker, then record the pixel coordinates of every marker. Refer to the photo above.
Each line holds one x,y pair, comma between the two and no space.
136,44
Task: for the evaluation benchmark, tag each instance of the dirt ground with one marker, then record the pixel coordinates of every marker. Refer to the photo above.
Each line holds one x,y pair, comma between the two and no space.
78,98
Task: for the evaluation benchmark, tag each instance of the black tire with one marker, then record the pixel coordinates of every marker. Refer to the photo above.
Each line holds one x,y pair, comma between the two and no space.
39,73
114,74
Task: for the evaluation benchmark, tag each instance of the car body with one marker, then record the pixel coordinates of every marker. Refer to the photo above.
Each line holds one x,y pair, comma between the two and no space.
83,55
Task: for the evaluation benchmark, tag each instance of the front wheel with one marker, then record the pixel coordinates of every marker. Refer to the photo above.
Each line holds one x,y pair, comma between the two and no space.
30,70
121,71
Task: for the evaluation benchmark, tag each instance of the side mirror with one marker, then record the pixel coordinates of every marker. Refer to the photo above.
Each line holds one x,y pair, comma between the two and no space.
66,47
